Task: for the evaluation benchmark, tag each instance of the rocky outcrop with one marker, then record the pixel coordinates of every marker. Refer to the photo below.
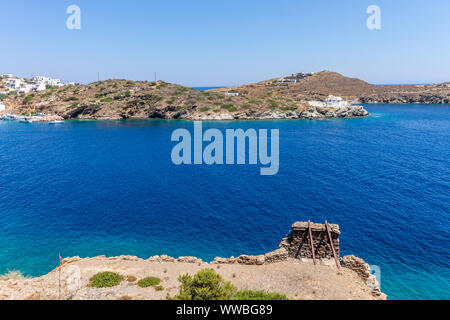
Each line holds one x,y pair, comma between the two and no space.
364,272
296,246
285,265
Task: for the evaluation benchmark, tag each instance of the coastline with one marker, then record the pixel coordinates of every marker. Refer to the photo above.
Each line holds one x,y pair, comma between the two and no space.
296,279
312,113
287,270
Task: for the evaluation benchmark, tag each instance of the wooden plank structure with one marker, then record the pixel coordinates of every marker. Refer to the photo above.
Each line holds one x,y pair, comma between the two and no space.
311,242
332,245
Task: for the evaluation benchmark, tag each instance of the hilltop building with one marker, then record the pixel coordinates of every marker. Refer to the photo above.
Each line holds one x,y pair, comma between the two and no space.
295,77
232,93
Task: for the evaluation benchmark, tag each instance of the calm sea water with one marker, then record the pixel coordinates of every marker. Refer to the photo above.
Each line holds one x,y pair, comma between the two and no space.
93,188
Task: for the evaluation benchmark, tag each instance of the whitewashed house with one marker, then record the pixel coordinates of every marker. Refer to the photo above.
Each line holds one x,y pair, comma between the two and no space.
25,88
232,93
2,107
14,83
48,81
39,87
335,102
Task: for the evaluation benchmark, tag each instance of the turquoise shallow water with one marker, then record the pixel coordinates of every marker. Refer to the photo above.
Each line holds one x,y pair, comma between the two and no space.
92,188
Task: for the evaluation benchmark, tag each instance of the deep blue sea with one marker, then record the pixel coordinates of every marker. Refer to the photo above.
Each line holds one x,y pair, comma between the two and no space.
94,188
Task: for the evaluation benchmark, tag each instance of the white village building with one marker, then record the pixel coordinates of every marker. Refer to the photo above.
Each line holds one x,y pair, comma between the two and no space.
232,93
48,81
25,88
14,83
39,87
2,107
335,102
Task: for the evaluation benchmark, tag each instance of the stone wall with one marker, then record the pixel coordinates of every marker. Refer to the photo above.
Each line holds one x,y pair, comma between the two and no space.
297,243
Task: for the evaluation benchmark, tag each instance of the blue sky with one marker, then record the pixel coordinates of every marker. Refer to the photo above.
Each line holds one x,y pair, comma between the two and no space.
218,43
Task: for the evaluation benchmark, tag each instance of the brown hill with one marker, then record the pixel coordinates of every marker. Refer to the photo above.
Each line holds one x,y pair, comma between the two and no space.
320,85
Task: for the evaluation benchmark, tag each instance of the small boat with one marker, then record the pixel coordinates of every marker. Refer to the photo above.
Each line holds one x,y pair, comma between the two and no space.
56,122
26,120
6,117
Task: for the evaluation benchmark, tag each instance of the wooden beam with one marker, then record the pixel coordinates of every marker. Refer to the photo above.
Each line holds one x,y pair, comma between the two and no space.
311,242
332,245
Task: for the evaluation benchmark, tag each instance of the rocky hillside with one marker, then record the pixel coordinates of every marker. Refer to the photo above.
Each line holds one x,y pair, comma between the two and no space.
122,99
320,85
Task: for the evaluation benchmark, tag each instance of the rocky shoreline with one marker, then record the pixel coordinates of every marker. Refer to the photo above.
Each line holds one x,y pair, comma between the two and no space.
311,113
287,270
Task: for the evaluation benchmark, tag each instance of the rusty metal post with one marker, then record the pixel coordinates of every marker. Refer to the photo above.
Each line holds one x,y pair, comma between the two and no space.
311,242
332,245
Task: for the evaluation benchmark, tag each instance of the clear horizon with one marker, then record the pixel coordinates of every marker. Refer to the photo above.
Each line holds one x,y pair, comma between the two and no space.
218,45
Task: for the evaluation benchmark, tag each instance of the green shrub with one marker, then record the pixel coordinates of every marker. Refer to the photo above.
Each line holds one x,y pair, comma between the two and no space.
149,282
273,105
229,107
71,99
3,96
73,105
204,109
246,106
258,295
107,100
159,288
205,285
105,280
46,95
290,108
28,98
